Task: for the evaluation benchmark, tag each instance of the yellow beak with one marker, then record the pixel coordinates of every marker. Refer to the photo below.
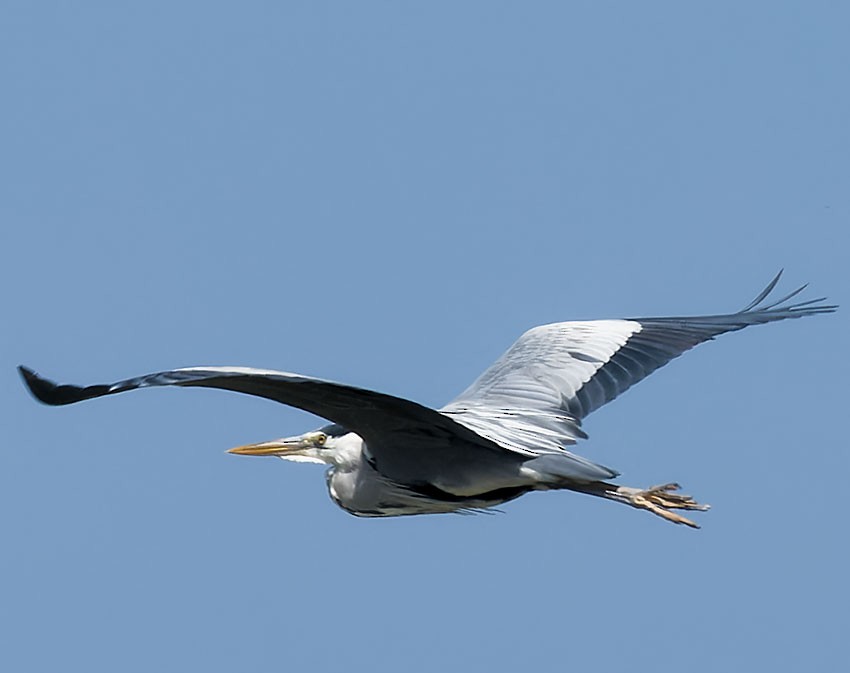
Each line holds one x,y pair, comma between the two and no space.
276,447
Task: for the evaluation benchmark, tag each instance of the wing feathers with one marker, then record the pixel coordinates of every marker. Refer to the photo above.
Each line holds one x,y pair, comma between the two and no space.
567,370
530,401
408,442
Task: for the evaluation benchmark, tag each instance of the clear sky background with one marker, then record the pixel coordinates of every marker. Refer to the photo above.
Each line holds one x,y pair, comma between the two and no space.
387,194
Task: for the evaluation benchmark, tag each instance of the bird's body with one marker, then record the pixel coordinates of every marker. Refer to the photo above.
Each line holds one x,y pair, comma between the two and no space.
355,485
504,436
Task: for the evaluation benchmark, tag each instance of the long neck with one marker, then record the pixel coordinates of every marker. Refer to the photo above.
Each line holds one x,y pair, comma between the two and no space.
347,452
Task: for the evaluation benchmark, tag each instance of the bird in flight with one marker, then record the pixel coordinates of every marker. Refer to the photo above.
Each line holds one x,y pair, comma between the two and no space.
509,433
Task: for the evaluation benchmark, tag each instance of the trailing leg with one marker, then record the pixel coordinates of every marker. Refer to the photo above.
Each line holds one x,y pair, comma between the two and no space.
659,500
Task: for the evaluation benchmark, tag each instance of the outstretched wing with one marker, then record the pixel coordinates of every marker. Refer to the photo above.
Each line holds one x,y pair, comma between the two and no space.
537,393
408,442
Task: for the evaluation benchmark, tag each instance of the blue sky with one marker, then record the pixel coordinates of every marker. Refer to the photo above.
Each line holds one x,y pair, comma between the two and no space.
387,194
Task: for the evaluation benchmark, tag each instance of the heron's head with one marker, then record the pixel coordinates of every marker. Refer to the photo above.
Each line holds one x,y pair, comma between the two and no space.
319,446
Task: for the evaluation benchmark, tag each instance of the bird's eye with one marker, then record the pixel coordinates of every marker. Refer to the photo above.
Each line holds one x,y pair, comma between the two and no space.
320,439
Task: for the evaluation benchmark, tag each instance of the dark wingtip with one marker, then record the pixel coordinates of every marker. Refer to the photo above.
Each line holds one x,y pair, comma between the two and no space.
42,389
49,392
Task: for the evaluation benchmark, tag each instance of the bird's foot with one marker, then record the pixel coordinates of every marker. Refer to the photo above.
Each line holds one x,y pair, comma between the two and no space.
660,500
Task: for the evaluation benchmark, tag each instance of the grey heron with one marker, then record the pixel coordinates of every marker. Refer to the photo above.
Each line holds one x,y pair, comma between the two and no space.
504,436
